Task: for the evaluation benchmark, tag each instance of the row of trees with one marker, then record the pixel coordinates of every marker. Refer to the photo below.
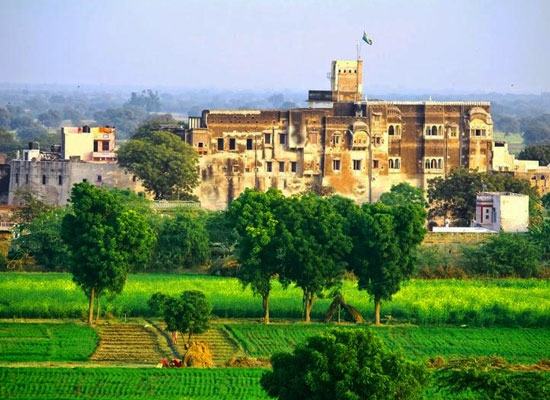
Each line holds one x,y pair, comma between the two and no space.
310,241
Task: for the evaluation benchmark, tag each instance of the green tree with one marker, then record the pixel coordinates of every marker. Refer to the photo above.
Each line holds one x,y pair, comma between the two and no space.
147,99
165,163
254,216
105,241
536,130
546,201
505,255
51,118
350,364
182,242
30,207
403,193
455,195
313,246
189,314
8,143
392,235
125,120
539,152
41,239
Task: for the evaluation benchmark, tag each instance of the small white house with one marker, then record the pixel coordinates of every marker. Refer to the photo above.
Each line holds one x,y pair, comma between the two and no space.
504,211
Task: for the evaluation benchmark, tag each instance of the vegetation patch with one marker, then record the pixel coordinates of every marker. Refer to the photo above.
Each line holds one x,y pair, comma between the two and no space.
46,342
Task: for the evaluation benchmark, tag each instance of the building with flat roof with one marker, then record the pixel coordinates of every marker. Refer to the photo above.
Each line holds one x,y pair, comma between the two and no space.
502,211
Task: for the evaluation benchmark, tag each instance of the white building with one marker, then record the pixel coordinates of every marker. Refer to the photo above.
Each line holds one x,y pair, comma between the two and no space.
504,211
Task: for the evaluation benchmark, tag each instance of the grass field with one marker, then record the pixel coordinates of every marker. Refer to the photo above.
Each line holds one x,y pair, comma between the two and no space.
46,342
480,303
142,384
525,346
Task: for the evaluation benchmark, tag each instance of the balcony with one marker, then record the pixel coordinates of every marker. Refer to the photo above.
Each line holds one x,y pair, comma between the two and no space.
103,155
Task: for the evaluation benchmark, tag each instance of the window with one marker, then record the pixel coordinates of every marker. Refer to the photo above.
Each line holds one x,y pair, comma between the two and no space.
294,166
96,146
84,180
249,144
44,179
376,118
267,138
391,131
60,180
269,166
220,144
313,138
434,130
134,178
375,163
336,165
27,179
17,179
232,144
433,163
105,145
281,166
394,163
282,138
357,165
336,140
377,140
99,178
200,145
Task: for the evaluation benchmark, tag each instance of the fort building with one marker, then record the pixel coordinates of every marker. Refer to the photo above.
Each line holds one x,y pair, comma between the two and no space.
338,141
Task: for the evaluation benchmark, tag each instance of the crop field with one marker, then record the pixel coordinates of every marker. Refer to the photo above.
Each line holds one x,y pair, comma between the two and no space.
524,303
46,342
525,346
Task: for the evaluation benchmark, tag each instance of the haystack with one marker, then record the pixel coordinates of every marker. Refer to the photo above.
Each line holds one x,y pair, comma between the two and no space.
352,312
198,355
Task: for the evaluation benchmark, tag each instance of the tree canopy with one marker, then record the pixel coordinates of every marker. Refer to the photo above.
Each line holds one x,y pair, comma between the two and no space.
105,240
165,163
350,364
255,216
189,314
182,242
455,195
539,152
403,193
536,130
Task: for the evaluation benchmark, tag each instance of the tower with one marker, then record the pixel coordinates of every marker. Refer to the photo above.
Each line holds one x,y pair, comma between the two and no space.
347,80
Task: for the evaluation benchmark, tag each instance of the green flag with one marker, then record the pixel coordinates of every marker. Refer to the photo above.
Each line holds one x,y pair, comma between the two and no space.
366,38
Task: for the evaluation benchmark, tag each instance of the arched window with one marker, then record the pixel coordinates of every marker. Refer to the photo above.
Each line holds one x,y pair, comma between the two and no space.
391,163
427,164
439,163
391,131
428,131
398,130
397,163
434,130
433,164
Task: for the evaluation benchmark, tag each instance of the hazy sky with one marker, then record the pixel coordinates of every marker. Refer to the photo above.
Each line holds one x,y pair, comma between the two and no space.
428,45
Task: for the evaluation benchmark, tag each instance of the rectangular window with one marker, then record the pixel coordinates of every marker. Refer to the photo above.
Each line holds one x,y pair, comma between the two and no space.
336,165
134,178
249,144
60,180
99,178
96,146
294,166
200,145
375,163
336,140
313,138
357,165
267,138
84,180
44,179
232,144
282,138
220,144
17,179
281,166
105,145
27,179
269,166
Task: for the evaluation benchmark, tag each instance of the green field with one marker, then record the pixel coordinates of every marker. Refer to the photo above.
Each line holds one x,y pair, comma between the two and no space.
141,384
510,302
516,345
46,342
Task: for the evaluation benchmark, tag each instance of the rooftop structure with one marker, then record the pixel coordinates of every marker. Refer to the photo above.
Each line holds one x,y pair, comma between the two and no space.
502,211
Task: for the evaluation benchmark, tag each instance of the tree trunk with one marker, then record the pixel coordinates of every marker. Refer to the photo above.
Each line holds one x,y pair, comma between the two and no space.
91,308
265,304
97,314
376,311
308,300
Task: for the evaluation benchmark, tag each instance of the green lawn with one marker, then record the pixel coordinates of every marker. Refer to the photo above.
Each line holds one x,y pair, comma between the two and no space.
512,302
46,342
516,345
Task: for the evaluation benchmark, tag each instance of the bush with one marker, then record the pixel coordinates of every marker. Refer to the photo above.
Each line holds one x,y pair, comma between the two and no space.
504,255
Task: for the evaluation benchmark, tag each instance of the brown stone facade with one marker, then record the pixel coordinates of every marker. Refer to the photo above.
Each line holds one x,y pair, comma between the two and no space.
293,149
